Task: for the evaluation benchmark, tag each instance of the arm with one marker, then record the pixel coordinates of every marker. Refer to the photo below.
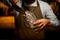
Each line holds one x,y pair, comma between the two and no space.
51,16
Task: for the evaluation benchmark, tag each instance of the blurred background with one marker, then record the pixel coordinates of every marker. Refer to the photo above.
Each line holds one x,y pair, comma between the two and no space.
7,22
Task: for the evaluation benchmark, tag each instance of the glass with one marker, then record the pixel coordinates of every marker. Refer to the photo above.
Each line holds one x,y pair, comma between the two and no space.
30,18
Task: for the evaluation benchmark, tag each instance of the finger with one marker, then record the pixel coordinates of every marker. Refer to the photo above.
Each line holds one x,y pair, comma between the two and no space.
37,22
38,25
42,26
38,30
35,27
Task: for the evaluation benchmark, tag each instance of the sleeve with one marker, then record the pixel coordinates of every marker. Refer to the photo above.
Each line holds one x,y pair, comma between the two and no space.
51,16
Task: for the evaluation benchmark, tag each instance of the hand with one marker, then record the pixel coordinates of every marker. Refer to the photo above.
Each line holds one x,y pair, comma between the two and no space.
15,1
40,24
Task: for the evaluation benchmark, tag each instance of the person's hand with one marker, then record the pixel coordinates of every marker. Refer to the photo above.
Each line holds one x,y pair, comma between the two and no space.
40,24
15,1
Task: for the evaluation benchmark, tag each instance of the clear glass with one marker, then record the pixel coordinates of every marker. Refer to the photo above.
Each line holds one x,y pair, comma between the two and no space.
31,18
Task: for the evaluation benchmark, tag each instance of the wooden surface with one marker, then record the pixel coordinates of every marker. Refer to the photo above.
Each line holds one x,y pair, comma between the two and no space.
7,22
